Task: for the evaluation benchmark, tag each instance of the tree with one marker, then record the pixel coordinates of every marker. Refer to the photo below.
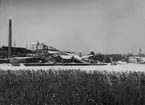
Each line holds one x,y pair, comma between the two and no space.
107,59
99,57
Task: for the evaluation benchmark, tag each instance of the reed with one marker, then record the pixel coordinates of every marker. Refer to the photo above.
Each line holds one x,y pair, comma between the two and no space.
71,87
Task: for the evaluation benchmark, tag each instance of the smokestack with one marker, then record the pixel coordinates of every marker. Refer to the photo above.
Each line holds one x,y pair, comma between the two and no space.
10,39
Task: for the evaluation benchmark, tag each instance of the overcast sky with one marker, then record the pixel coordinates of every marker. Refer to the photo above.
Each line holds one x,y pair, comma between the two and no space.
107,26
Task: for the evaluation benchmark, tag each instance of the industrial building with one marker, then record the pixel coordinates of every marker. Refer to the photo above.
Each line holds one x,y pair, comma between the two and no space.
41,53
15,51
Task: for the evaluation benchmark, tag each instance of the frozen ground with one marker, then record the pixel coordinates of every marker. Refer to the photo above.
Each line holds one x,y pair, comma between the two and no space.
126,67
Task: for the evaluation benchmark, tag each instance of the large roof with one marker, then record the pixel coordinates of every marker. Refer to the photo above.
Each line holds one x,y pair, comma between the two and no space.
1,49
17,49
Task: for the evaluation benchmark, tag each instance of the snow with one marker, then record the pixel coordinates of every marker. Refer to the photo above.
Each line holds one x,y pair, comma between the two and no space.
118,68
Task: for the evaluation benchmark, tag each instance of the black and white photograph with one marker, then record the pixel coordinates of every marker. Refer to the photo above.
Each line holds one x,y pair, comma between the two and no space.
72,52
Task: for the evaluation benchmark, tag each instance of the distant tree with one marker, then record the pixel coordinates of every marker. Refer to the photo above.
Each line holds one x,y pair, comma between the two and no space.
99,57
107,59
127,59
129,54
92,53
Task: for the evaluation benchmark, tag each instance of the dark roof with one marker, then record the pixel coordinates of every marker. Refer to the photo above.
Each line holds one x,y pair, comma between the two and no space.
1,49
17,49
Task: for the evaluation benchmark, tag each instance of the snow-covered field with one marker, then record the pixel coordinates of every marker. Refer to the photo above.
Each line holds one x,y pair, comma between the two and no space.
126,67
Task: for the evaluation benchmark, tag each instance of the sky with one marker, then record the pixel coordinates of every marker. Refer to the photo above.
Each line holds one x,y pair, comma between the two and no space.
106,26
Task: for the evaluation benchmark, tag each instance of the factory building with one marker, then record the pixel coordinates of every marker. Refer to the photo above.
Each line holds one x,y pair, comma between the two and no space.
15,51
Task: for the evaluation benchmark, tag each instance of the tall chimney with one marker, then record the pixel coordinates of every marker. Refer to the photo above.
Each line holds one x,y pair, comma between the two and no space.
10,39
